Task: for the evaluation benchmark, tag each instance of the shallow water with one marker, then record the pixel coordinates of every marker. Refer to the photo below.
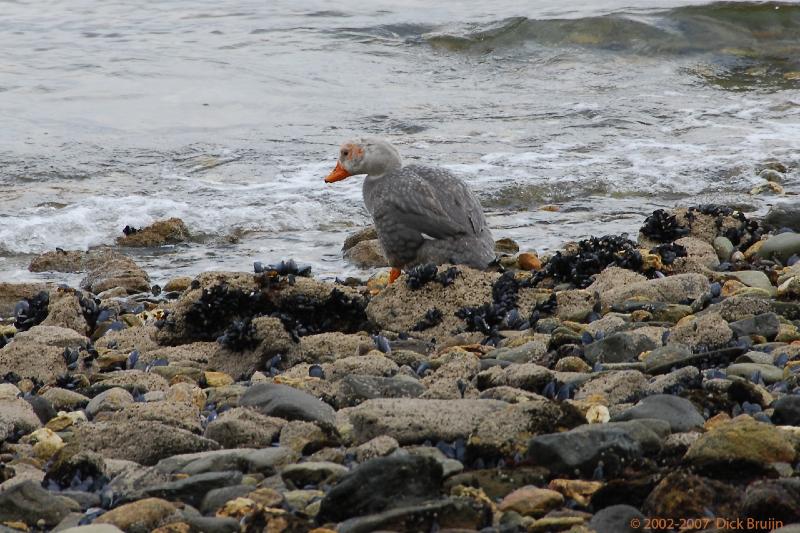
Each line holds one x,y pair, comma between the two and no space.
229,117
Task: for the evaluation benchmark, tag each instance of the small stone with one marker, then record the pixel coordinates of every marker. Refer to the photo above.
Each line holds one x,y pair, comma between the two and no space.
617,519
782,246
378,447
110,400
287,402
681,414
532,501
506,246
724,248
787,411
139,516
529,261
217,379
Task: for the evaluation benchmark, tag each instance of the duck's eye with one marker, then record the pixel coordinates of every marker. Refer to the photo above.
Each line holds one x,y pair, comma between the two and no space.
345,153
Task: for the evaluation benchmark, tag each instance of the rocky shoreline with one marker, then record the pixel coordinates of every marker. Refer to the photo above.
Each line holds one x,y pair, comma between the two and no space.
617,382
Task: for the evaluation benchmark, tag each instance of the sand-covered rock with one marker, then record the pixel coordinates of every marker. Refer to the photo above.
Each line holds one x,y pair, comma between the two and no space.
159,233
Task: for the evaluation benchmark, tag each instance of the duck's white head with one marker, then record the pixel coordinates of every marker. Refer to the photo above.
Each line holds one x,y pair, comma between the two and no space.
370,155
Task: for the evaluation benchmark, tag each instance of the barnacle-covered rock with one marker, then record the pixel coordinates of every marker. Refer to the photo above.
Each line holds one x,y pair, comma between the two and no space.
159,233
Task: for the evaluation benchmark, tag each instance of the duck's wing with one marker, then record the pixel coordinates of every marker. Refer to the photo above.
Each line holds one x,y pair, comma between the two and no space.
434,203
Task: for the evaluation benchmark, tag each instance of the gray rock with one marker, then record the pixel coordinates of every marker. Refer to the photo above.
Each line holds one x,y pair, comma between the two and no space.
216,498
244,428
299,475
619,347
783,215
672,289
580,450
616,387
766,325
28,502
782,246
775,499
681,414
17,415
145,442
380,484
787,411
366,254
358,388
412,421
287,402
193,489
92,528
664,358
617,519
754,278
450,514
212,524
112,399
724,248
262,461
769,373
527,353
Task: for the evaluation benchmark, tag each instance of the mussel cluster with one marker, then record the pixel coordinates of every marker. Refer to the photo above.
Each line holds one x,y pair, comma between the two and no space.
593,255
421,275
31,311
285,268
224,313
218,306
501,314
239,336
433,317
130,230
662,226
669,252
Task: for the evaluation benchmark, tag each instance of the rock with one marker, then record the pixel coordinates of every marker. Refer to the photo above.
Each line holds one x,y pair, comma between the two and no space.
507,432
64,310
380,484
449,514
753,278
312,473
613,387
215,499
142,516
305,437
770,501
11,293
580,450
288,403
108,269
366,254
681,414
365,234
112,399
672,289
272,339
526,376
506,245
574,305
246,460
43,409
764,325
529,261
682,494
531,501
179,284
366,365
617,519
781,246
192,489
159,233
400,308
739,446
38,353
377,447
145,442
412,421
789,289
700,255
530,352
709,330
787,411
724,248
93,528
783,215
28,502
17,416
619,347
180,415
356,389
130,380
768,372
244,428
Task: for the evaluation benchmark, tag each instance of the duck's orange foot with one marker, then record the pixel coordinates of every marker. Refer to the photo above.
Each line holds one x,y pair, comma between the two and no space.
394,274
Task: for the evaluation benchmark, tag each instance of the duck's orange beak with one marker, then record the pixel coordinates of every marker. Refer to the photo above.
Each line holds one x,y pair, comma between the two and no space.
338,174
